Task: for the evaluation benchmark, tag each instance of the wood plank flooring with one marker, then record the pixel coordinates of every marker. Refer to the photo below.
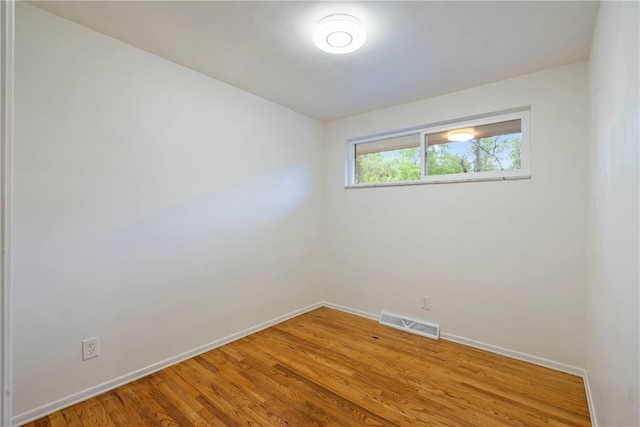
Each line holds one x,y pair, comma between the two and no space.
329,368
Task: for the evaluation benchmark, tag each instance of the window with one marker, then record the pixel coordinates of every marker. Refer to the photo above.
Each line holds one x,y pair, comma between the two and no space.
488,148
388,160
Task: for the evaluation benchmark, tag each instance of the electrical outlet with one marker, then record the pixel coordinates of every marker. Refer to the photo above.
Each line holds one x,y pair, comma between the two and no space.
90,348
426,302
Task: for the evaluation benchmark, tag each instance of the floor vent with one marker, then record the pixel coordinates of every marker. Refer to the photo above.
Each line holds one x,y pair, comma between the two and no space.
420,327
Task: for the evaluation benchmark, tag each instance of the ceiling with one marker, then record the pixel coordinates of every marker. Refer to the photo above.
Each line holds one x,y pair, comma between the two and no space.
414,49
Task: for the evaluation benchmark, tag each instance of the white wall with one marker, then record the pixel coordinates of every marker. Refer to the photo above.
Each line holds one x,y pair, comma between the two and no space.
612,340
503,262
154,207
131,222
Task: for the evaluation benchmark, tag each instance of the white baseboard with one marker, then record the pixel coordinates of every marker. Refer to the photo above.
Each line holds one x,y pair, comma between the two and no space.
350,310
540,361
478,344
80,396
592,407
65,402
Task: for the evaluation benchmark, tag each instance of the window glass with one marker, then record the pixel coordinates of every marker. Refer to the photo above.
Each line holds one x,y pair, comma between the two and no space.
486,148
389,160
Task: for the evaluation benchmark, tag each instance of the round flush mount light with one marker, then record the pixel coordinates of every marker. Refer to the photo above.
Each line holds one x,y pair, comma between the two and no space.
339,34
460,136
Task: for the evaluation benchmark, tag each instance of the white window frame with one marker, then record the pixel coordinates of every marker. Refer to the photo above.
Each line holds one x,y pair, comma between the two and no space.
523,173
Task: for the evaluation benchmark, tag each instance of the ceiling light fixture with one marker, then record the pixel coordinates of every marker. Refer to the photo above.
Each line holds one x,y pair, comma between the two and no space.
339,34
460,136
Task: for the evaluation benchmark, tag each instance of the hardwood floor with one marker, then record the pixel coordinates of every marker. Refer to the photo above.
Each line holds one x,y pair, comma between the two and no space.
328,368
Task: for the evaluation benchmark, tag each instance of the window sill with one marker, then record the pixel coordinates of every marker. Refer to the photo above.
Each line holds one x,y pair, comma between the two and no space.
438,181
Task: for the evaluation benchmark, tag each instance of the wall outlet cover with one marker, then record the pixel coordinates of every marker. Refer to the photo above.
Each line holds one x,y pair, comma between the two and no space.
90,348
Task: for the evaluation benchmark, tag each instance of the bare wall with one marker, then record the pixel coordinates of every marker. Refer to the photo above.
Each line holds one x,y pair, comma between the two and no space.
154,207
161,210
503,262
613,333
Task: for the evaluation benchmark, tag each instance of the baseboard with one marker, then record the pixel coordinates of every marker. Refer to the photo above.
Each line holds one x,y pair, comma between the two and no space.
350,310
78,397
592,407
65,402
540,361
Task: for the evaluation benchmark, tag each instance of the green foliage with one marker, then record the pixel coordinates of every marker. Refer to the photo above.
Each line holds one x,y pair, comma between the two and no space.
390,166
478,155
441,161
515,154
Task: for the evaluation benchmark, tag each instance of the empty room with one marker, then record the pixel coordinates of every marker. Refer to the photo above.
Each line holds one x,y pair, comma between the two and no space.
302,213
